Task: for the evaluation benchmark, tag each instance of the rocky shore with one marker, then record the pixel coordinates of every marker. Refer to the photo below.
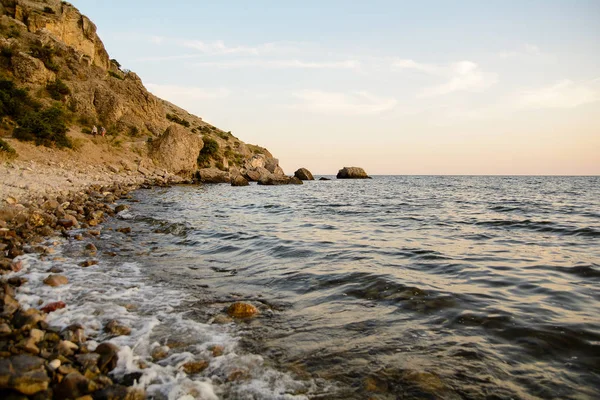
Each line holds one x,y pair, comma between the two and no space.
38,360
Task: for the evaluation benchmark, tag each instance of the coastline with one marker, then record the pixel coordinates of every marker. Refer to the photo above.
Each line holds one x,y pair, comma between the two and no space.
38,359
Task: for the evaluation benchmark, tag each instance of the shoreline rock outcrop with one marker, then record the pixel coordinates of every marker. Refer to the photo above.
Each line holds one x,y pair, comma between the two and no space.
177,151
352,173
304,175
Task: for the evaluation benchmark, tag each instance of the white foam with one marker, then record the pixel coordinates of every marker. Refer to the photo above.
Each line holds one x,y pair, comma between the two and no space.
105,291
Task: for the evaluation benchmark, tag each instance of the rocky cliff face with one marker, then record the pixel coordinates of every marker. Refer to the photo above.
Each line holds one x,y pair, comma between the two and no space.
45,41
64,22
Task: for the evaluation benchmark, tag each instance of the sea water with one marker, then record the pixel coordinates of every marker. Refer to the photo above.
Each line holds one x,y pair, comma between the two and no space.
395,287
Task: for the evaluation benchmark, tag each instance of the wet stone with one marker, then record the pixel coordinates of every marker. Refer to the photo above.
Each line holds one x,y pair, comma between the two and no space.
241,310
88,263
56,280
108,356
51,307
55,270
195,367
115,328
24,373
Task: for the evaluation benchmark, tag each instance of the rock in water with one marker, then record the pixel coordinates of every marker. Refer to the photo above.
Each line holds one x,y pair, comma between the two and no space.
242,310
24,373
51,307
213,175
108,356
115,328
352,173
304,175
239,180
177,150
56,280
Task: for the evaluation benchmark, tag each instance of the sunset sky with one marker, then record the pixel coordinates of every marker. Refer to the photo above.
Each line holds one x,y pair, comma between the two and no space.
428,87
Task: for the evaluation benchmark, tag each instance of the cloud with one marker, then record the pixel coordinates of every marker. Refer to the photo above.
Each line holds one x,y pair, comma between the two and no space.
562,94
355,103
220,48
461,76
175,92
527,49
276,64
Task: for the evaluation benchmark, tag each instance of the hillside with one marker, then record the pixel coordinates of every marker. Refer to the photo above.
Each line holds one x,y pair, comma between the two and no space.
57,81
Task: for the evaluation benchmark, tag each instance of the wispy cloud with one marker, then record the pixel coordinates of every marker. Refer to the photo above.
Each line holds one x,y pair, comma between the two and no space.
562,94
275,64
174,92
460,76
354,103
220,48
527,49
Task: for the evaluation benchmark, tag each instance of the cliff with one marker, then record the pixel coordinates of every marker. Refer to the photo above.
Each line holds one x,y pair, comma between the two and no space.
53,51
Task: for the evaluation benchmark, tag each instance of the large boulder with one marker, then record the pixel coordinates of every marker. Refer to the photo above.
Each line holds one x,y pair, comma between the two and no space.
258,173
177,151
272,180
352,173
24,373
213,175
304,175
239,180
31,70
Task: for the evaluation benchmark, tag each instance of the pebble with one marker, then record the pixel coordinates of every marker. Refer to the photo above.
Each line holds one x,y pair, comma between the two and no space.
54,364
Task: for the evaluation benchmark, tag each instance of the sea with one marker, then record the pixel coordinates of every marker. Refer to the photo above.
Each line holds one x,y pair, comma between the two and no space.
398,287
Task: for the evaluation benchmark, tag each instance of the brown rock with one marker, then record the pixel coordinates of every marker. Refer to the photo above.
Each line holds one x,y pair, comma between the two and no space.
304,175
160,352
51,307
88,263
24,373
176,150
119,392
72,386
126,230
241,310
352,173
217,350
66,348
56,280
194,367
115,328
239,180
108,356
213,175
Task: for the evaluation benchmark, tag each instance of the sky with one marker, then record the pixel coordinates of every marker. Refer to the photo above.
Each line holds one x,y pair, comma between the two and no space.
396,87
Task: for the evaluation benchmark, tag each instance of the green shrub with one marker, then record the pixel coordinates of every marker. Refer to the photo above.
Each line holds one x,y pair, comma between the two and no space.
87,131
46,54
47,127
177,120
203,160
220,166
7,150
112,60
15,102
211,147
58,90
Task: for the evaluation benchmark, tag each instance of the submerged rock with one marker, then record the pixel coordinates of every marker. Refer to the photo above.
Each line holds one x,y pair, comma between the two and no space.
352,173
56,280
304,175
241,310
115,328
51,307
